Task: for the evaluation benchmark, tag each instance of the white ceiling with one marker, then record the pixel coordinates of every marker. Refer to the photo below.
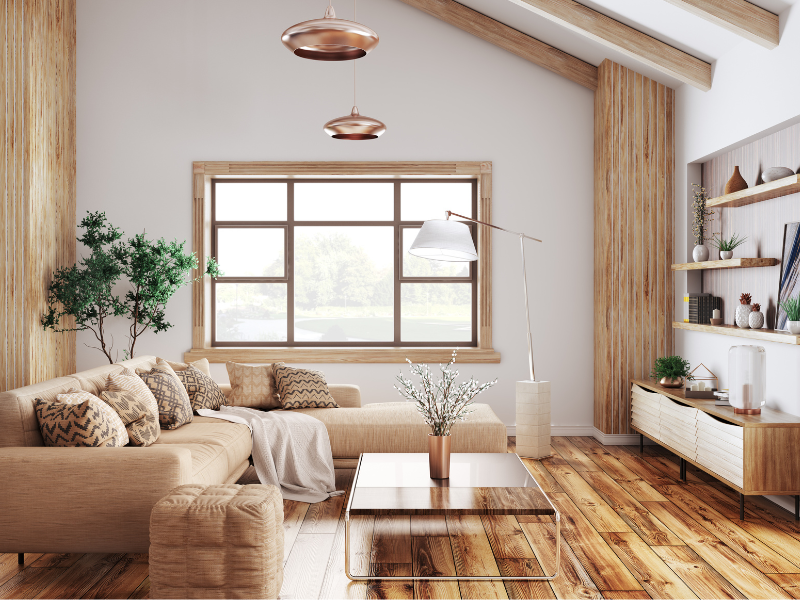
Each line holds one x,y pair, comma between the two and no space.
657,18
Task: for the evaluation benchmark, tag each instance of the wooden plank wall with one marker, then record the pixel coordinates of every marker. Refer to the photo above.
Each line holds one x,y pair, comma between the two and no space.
37,179
634,173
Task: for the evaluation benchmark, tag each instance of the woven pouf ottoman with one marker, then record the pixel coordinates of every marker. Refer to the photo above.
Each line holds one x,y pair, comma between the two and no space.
217,541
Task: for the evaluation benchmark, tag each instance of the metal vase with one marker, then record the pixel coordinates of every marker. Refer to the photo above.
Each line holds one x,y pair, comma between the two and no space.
439,456
674,382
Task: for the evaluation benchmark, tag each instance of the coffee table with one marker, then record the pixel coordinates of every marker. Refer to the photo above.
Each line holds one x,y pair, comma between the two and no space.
479,484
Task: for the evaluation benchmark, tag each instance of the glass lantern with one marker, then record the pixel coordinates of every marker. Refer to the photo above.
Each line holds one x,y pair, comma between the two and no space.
747,377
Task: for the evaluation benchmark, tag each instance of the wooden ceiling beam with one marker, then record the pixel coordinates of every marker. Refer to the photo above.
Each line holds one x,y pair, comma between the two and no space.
742,18
510,39
613,34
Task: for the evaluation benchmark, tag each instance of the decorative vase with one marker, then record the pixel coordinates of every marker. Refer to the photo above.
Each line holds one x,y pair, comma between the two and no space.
743,315
756,319
736,183
700,253
747,373
439,456
674,382
794,327
776,173
725,254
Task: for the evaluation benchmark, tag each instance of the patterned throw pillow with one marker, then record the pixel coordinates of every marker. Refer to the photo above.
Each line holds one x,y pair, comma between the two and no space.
252,386
301,388
75,396
174,408
203,391
129,381
142,426
201,365
79,424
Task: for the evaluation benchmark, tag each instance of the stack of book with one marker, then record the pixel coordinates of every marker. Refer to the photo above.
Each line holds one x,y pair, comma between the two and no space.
698,308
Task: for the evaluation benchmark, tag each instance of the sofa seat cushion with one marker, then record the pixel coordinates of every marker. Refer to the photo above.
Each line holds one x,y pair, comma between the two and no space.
218,447
398,427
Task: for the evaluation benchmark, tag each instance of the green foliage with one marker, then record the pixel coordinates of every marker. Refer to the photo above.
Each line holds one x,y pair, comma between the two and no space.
792,308
701,215
154,269
671,367
728,244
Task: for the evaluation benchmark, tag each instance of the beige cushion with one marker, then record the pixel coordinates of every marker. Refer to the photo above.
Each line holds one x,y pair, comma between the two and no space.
128,381
302,388
75,396
252,386
203,391
398,427
174,408
81,423
142,426
201,365
221,541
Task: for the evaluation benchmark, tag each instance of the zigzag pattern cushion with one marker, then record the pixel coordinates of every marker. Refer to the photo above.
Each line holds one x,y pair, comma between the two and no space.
75,396
142,426
252,386
302,388
174,408
69,425
203,391
129,381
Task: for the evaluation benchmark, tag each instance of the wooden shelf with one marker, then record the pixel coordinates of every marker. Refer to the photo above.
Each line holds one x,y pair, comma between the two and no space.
767,335
732,263
759,193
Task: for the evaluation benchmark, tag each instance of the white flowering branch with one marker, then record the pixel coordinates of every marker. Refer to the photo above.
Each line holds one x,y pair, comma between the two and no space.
440,403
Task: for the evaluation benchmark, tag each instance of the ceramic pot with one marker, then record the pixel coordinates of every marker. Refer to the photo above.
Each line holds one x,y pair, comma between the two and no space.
743,315
756,320
675,382
794,327
439,456
776,173
736,183
700,253
726,254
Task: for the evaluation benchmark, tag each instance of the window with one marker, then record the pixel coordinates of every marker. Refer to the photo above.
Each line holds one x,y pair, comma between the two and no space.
324,262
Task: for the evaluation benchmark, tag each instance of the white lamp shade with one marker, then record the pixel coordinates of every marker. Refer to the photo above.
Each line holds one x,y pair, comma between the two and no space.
449,241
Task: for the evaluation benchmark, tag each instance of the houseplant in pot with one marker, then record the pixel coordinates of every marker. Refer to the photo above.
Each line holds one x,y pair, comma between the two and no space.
671,371
792,308
701,217
726,246
441,403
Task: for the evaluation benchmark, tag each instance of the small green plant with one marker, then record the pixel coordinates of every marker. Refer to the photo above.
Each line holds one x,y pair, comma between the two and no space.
728,244
671,367
702,216
792,308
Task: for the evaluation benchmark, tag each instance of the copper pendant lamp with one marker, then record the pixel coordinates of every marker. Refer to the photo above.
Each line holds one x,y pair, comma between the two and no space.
330,38
354,126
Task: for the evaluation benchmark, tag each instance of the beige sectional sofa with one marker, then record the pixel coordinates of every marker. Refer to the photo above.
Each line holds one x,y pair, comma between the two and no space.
99,499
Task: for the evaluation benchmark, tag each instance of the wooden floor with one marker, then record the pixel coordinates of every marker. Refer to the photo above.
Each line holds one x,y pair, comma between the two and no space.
631,529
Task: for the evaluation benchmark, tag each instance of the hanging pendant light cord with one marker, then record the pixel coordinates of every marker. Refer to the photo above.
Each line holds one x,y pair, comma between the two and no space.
354,62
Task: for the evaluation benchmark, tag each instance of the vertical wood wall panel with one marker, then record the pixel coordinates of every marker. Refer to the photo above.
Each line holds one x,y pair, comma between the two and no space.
37,175
634,169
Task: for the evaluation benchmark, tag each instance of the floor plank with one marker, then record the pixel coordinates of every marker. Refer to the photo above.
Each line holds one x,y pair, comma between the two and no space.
575,457
424,525
50,561
336,584
703,579
506,537
9,565
790,582
302,575
542,476
323,517
123,577
433,557
79,578
471,548
293,515
524,567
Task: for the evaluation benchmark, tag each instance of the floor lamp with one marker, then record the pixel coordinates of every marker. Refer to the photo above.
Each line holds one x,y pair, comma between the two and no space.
451,241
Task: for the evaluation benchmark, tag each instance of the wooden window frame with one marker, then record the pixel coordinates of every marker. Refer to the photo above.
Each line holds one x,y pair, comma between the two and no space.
204,173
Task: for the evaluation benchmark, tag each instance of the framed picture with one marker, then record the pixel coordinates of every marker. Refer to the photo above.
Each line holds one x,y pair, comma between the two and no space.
789,284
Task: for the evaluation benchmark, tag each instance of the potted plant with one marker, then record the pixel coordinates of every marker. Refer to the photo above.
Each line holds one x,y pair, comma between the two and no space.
743,311
726,246
671,371
701,217
441,403
792,308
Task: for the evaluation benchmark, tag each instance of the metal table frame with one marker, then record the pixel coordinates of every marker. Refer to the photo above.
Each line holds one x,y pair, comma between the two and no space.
447,577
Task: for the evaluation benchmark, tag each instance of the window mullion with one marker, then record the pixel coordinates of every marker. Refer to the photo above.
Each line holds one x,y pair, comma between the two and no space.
290,263
398,263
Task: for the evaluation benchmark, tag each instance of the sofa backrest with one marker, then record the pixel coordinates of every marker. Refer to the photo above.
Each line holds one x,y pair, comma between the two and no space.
18,423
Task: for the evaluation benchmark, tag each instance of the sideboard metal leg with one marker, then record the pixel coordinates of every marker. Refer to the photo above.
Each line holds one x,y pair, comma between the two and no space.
21,558
797,508
683,469
741,507
641,443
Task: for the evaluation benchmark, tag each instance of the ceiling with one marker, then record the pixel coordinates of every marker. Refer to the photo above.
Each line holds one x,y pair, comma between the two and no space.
657,18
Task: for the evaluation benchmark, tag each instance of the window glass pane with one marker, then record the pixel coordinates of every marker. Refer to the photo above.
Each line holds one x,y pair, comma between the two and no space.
436,312
423,201
251,312
251,252
250,201
343,201
344,284
414,266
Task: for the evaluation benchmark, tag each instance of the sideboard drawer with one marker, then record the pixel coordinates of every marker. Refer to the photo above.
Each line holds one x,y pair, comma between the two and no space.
671,410
724,441
731,471
646,408
647,400
731,462
734,431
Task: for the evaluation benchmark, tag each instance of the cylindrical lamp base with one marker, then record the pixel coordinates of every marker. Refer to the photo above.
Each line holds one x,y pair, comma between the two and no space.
533,419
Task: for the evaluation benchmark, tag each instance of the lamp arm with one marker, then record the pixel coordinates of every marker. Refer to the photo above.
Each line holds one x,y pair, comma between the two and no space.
449,214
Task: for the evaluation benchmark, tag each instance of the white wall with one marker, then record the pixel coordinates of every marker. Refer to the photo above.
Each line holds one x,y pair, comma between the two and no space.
162,83
753,92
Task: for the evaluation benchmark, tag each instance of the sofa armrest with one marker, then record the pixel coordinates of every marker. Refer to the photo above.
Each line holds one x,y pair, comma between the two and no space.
346,395
85,499
226,388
